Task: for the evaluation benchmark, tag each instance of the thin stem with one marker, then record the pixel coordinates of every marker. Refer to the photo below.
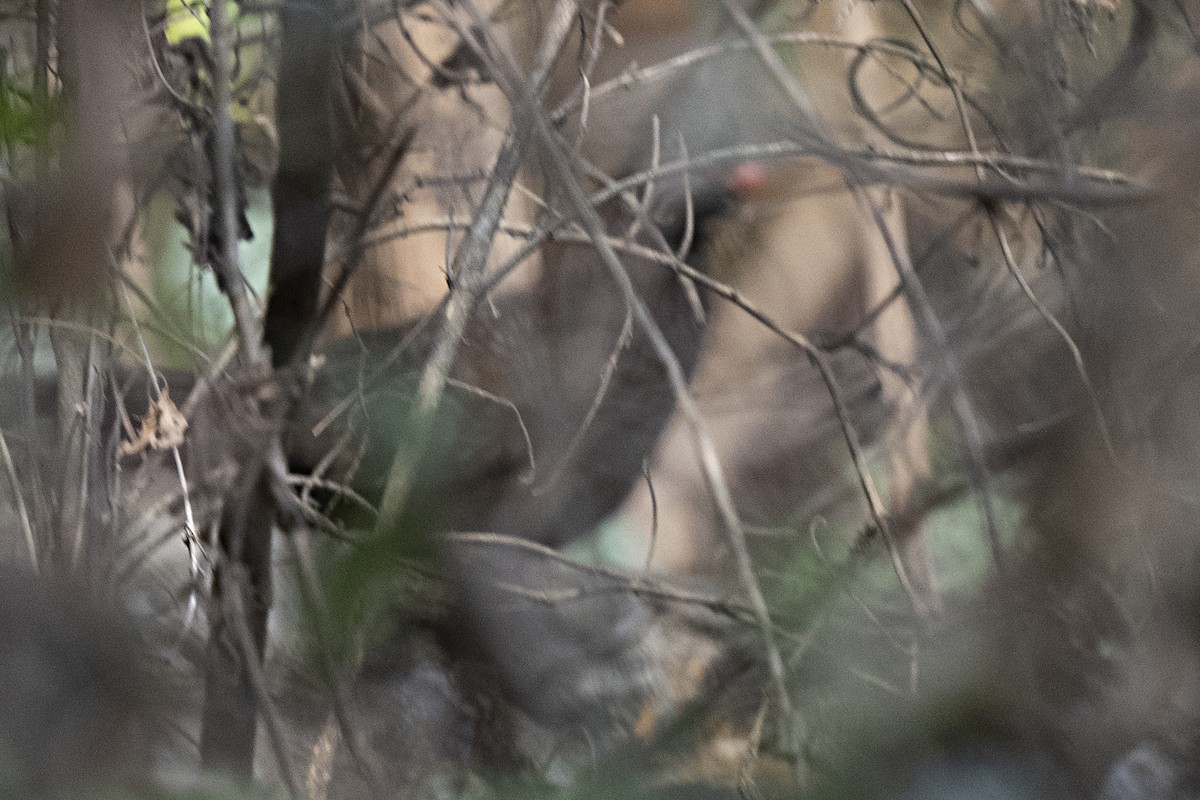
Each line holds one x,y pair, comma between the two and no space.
226,194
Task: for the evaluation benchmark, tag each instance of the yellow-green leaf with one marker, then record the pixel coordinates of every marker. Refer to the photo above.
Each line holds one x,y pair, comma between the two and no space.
188,19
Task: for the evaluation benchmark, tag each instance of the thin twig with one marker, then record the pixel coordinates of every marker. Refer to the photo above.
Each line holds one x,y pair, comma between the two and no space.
775,65
469,267
524,98
606,376
951,81
191,538
635,76
815,353
24,340
959,401
22,512
312,594
238,584
226,193
1081,370
476,391
650,547
639,586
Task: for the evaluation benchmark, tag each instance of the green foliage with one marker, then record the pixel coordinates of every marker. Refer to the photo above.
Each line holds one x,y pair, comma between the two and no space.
25,119
392,574
805,583
955,535
27,126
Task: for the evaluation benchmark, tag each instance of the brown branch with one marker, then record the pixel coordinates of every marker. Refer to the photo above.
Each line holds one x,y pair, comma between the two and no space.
301,189
248,645
231,702
470,263
229,269
231,705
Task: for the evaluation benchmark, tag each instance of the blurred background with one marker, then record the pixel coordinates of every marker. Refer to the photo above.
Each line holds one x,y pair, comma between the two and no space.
578,398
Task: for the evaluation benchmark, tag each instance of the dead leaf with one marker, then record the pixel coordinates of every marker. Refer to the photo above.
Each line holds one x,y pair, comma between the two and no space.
162,428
